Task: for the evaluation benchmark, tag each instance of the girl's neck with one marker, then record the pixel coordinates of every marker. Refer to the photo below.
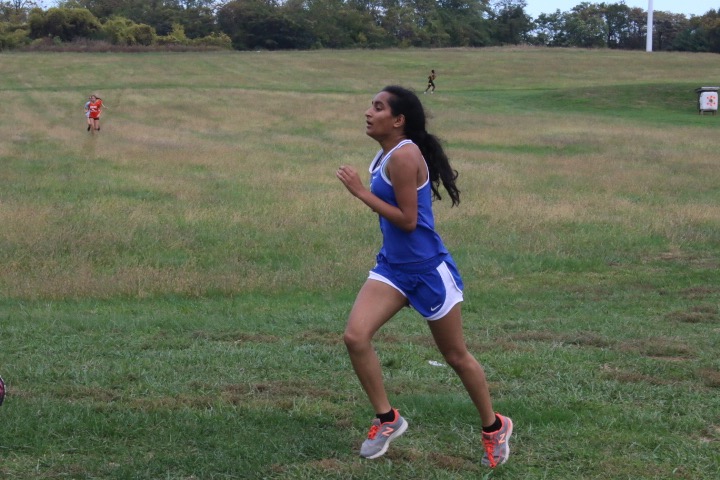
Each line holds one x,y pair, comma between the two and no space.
390,143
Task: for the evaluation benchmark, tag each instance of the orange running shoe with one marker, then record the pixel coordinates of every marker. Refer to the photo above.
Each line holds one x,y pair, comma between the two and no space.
497,444
380,435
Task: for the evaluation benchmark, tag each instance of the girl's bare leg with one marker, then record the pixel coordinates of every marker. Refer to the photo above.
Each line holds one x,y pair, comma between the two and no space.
448,336
375,304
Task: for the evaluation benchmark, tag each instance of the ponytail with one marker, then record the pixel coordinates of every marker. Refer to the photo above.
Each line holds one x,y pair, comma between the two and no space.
406,103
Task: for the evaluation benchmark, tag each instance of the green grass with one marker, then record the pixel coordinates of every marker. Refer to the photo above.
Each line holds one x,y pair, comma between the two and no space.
173,291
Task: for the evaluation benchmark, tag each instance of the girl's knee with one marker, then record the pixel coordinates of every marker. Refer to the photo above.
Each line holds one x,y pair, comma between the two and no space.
354,341
460,360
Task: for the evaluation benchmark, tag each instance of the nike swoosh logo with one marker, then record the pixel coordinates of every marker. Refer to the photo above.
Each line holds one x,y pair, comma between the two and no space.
432,309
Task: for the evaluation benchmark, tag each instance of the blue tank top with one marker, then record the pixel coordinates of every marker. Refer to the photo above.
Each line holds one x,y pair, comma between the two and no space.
420,248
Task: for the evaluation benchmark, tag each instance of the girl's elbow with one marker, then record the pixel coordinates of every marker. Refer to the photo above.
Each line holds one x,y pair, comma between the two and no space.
409,227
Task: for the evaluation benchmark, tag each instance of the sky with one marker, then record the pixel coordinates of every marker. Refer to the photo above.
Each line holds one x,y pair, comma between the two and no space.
536,7
687,7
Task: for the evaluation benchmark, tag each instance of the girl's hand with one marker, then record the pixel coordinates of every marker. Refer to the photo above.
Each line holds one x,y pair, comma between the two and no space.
350,178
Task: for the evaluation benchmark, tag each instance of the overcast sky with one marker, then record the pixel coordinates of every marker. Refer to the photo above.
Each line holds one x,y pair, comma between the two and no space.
688,7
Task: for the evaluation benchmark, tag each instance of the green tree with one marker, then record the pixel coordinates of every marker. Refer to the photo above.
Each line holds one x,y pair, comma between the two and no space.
585,26
123,31
65,24
702,34
511,25
196,16
253,24
401,23
710,26
616,25
102,9
16,11
464,22
550,29
666,28
175,37
635,30
13,36
615,16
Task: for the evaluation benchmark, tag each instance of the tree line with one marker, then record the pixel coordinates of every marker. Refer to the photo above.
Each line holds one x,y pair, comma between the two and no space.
312,24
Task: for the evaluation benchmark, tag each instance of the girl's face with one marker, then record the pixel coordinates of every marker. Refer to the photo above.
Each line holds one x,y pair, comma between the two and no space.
93,98
379,119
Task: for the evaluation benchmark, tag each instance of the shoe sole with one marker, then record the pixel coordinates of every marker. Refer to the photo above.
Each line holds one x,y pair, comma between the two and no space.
392,437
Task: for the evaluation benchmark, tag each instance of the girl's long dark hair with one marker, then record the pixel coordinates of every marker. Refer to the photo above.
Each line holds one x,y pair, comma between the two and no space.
404,102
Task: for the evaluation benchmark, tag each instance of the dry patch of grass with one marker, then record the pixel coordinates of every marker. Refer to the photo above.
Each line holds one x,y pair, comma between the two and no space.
582,339
706,313
700,292
670,349
238,337
625,376
277,390
710,377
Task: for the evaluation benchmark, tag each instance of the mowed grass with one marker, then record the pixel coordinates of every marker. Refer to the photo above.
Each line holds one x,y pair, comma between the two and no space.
173,291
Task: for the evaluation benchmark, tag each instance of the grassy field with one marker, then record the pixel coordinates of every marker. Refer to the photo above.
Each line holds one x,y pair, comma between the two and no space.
173,290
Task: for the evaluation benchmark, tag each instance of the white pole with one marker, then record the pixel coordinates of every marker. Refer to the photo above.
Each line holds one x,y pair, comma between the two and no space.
648,46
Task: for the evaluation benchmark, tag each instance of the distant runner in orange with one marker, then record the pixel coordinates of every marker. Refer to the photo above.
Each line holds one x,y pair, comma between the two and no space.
95,109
